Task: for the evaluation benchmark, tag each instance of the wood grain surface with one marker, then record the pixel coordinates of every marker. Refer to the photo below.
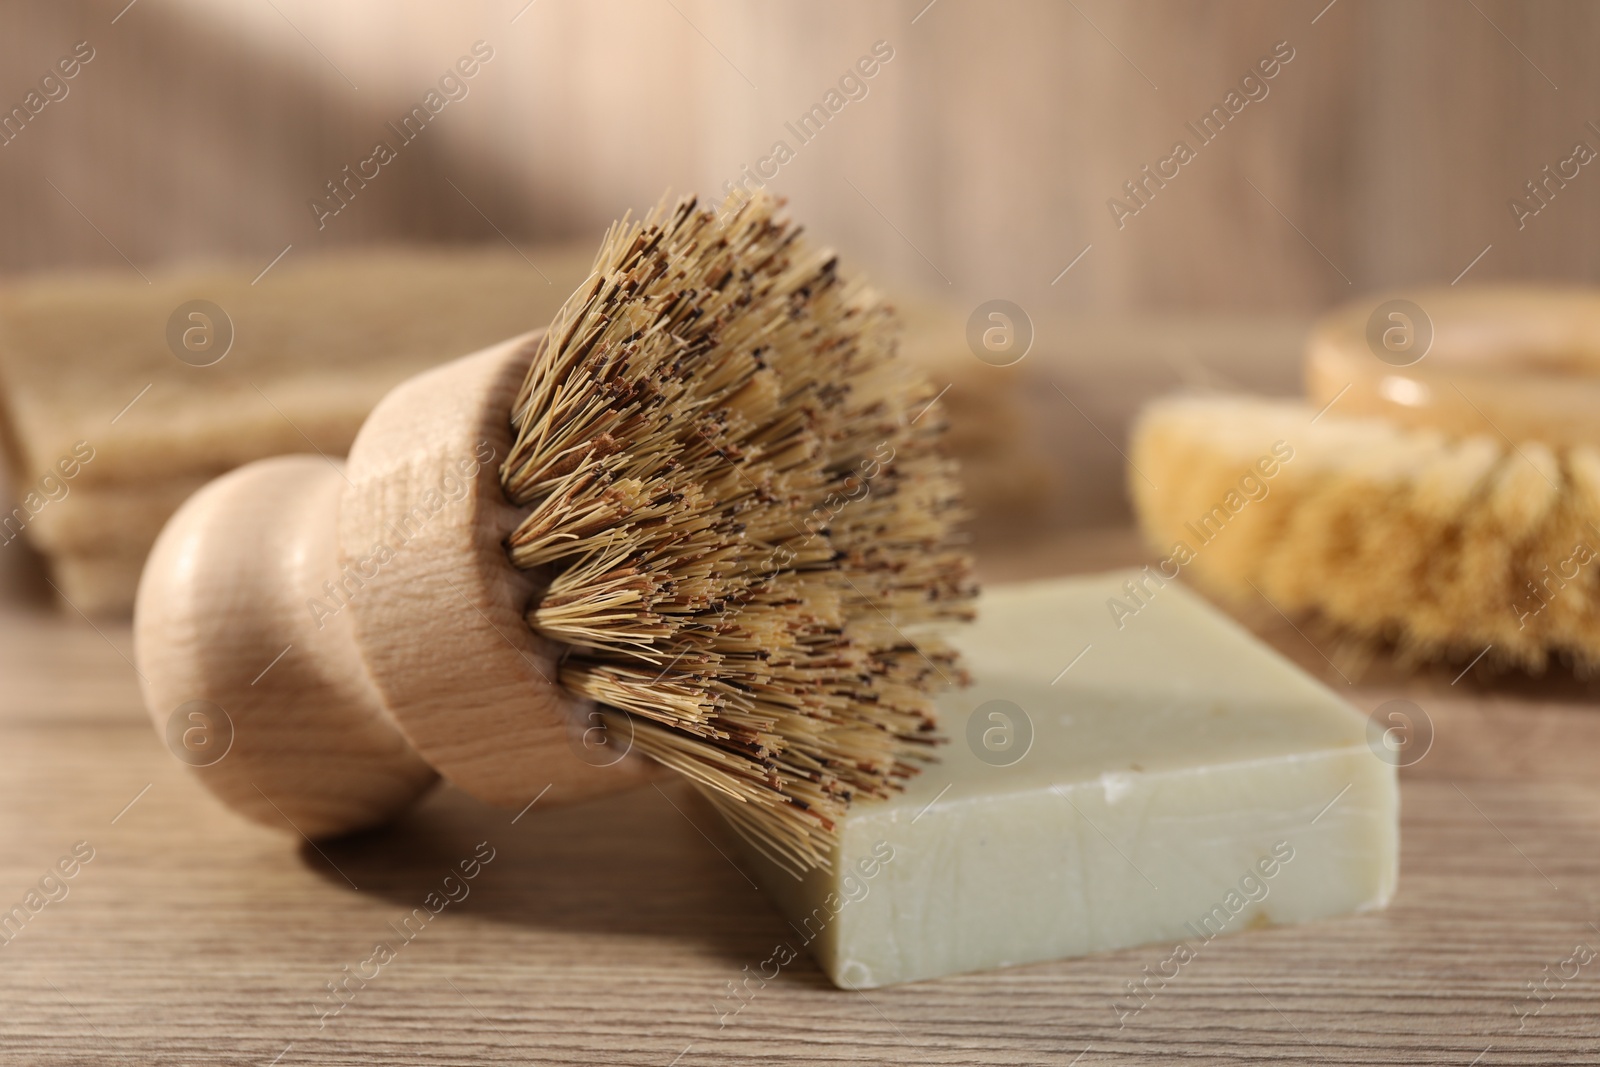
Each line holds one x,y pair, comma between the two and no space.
607,932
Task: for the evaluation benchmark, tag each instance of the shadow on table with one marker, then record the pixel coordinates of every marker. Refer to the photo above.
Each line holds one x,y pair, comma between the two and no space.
646,863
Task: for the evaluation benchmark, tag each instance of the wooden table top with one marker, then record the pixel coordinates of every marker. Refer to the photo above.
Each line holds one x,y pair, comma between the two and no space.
606,933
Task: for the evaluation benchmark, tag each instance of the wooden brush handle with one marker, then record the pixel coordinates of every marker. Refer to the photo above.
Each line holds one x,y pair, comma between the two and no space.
361,627
1522,362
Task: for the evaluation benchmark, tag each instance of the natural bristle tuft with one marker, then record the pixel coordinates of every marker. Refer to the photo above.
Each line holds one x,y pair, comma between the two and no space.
746,524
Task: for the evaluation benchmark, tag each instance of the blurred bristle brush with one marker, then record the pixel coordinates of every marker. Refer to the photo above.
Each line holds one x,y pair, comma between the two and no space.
1437,493
703,519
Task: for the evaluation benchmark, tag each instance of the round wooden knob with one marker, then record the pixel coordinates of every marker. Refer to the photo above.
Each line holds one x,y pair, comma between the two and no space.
349,629
1519,363
272,707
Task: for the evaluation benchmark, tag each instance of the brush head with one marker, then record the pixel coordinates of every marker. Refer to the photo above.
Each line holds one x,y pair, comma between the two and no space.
740,518
1474,550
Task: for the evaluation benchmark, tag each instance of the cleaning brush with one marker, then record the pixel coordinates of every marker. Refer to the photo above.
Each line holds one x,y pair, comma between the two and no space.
704,516
1443,503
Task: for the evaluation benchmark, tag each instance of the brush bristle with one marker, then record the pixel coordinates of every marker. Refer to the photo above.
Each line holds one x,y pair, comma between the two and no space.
1436,547
735,490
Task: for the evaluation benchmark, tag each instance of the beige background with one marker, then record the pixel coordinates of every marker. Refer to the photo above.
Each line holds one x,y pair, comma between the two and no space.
982,157
978,166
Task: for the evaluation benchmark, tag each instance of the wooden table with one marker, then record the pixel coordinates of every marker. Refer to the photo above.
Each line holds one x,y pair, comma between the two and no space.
606,933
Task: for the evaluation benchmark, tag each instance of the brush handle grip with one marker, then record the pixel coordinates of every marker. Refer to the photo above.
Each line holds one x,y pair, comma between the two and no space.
385,586
277,715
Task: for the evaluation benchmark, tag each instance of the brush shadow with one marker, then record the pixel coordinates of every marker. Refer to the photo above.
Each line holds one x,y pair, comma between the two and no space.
629,865
1326,651
1558,683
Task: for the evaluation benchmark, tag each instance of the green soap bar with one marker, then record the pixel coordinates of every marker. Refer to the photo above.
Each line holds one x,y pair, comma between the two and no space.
1112,779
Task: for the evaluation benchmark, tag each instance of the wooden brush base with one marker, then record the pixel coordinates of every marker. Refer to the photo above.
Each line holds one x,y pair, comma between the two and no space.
360,626
1517,362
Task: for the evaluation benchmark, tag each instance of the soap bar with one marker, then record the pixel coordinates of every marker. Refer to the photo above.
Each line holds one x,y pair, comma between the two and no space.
1129,767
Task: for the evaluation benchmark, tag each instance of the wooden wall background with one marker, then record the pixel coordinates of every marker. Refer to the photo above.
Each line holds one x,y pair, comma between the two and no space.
978,166
981,159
